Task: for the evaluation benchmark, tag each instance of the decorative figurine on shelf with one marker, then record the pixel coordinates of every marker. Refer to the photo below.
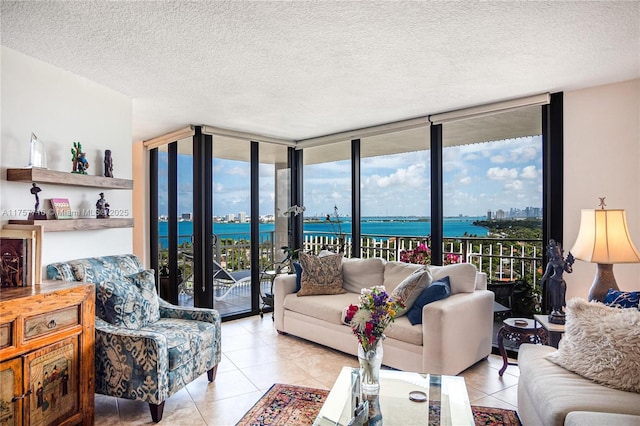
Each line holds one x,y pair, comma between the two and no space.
102,208
37,214
552,281
79,159
108,163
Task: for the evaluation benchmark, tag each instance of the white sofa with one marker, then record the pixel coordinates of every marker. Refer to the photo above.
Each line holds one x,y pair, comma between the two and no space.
455,333
549,395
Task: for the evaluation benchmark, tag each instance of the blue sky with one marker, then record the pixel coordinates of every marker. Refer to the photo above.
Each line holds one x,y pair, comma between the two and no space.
477,177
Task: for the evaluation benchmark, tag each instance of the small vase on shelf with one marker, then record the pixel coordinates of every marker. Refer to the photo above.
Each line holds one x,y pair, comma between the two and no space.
370,363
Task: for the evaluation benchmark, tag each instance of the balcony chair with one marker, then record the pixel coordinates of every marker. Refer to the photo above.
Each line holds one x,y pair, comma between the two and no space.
145,348
225,281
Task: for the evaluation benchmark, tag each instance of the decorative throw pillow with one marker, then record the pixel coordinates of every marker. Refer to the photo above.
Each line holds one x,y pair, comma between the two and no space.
410,288
321,275
119,303
298,268
601,344
130,302
438,290
622,299
145,282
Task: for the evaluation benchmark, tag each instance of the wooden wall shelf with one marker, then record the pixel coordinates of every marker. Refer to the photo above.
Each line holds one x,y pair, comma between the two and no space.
77,224
66,178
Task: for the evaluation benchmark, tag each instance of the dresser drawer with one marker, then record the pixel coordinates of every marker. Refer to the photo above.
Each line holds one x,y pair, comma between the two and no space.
50,322
6,335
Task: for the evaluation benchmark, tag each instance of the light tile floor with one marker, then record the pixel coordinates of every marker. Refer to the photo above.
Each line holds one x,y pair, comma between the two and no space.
255,356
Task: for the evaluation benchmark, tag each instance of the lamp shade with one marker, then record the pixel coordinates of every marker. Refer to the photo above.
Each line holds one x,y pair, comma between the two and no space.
604,238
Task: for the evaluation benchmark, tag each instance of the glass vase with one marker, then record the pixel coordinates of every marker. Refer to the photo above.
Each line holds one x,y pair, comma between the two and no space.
370,363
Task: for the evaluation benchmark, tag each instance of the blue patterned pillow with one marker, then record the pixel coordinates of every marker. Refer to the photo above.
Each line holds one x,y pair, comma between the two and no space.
298,268
119,303
130,302
622,299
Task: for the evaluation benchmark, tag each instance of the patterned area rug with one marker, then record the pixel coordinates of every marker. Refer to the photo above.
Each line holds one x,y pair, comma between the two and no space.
298,405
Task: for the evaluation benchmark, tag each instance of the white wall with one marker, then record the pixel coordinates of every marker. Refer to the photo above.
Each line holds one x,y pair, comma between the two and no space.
61,108
601,158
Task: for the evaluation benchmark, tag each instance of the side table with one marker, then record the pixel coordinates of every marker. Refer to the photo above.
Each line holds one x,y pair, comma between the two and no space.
554,331
518,330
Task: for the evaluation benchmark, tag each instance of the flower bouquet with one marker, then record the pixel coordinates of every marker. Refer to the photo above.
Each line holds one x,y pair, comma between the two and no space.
368,321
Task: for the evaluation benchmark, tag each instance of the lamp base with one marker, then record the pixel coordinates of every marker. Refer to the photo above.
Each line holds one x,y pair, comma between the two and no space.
603,281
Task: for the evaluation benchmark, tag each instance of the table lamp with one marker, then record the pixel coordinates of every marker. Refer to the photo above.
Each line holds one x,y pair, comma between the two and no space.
604,239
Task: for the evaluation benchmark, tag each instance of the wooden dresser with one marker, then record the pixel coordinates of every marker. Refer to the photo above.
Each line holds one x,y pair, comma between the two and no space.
47,354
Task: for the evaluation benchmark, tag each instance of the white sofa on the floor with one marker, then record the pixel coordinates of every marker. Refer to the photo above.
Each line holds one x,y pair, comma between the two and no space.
549,395
455,333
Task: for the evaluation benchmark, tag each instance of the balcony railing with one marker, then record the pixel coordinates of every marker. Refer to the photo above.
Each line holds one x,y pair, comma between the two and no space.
502,259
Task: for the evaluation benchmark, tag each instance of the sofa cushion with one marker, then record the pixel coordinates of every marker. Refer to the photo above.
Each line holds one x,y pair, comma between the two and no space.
438,290
323,308
362,273
321,275
401,329
602,344
622,299
395,272
410,288
553,391
462,276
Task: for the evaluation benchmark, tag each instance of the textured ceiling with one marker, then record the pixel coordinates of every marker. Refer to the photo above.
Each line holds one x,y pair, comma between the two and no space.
297,70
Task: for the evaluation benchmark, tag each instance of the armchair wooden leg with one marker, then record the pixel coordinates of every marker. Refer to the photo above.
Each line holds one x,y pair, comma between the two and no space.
156,411
211,374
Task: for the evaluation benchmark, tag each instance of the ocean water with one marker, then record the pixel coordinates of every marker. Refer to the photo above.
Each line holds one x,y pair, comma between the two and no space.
375,226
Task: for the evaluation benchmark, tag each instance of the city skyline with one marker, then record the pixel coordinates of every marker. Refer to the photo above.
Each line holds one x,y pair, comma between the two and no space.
476,178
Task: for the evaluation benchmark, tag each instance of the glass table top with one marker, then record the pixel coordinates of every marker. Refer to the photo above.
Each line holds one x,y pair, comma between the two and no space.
393,405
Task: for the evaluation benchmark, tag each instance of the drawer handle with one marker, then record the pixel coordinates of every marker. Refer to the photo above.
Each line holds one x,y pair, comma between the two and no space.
52,324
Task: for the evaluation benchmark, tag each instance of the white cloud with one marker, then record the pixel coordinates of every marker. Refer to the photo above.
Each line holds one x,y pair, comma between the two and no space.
498,159
514,185
502,173
529,172
465,180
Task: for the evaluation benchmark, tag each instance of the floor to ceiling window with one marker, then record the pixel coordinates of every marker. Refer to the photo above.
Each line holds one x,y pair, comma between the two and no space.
395,192
327,197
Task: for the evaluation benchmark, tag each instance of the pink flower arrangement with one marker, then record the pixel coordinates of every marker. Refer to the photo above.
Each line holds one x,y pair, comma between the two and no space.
420,255
369,320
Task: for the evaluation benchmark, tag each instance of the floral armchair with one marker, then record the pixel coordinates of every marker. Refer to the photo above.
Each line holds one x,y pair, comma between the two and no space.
145,348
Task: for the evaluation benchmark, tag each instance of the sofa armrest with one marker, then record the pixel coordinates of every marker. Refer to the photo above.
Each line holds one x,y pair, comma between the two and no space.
457,328
126,358
167,310
283,285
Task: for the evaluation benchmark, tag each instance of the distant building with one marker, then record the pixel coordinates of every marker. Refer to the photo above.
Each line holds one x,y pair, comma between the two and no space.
488,214
242,217
230,217
187,217
500,215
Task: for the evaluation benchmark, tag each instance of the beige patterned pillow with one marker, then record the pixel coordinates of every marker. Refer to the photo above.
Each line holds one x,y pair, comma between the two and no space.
411,287
321,275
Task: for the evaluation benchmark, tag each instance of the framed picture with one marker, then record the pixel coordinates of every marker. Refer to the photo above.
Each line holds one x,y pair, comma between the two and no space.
53,374
61,208
20,255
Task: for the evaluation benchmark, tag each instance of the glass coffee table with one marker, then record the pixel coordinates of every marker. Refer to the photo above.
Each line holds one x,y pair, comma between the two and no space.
447,393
